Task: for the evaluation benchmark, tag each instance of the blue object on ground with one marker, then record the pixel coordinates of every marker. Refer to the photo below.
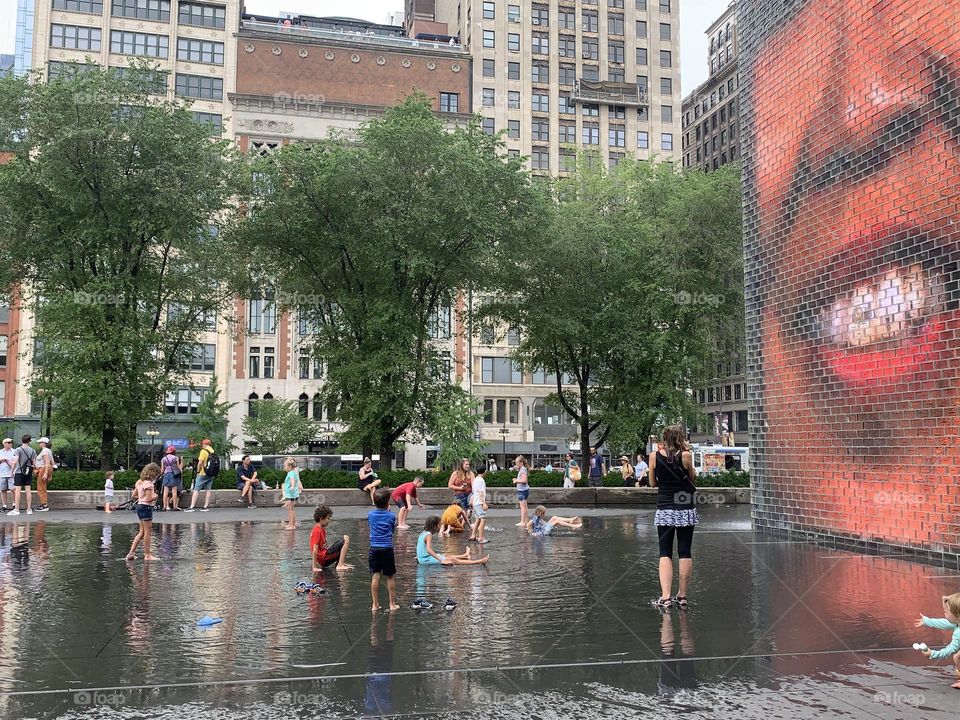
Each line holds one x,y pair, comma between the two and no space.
206,621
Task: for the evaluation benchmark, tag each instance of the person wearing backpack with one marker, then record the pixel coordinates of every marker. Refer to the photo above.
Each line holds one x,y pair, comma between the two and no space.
208,467
26,459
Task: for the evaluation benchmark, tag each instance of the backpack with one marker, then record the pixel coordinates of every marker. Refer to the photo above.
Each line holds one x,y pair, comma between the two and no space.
30,456
212,468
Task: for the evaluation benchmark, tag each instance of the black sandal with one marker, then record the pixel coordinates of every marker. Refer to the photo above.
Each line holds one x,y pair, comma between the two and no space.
663,603
682,602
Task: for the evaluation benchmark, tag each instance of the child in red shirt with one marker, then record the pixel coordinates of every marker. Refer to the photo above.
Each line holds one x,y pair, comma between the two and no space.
322,555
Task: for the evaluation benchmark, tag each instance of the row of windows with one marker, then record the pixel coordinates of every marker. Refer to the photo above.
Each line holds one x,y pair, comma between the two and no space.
568,76
589,135
540,13
506,371
73,37
725,393
701,108
196,14
567,47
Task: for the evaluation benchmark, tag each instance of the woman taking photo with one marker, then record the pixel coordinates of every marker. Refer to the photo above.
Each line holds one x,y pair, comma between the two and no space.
671,472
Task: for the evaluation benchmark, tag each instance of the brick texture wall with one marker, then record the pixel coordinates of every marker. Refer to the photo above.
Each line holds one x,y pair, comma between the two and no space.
357,74
851,146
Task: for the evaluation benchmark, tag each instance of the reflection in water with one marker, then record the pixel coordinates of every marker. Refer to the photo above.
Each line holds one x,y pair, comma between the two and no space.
676,674
378,699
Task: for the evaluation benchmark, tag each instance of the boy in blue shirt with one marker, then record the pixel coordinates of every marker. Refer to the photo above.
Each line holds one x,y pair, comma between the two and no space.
382,525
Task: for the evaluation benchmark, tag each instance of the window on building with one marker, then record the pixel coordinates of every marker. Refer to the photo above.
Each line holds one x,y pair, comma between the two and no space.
488,126
568,132
439,326
666,59
641,5
568,161
615,24
158,10
449,102
664,31
567,47
666,113
84,6
615,51
590,72
203,358
641,29
591,49
738,392
317,407
540,158
513,13
253,366
200,15
213,120
513,129
590,110
591,134
514,412
488,411
489,68
665,6
202,51
616,75
199,86
540,102
540,130
666,86
501,411
615,4
263,315
73,37
540,15
642,57
489,10
513,96
513,71
489,39
617,112
589,21
540,72
666,141
488,96
540,44
3,350
513,42
303,405
4,310
252,399
617,136
303,367
614,159
567,20
500,370
567,75
743,423
184,400
565,106
269,362
643,139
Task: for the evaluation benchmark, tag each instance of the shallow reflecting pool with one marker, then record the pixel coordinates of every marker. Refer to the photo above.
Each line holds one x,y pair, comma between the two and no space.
551,628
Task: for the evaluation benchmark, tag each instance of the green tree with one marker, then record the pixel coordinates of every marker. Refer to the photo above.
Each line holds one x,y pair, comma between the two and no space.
277,426
383,233
623,292
455,429
74,444
211,421
105,215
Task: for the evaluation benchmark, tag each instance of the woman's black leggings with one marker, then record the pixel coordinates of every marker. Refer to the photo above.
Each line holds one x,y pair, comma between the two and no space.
684,535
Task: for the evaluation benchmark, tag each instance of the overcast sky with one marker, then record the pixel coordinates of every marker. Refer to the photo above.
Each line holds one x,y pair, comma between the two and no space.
695,17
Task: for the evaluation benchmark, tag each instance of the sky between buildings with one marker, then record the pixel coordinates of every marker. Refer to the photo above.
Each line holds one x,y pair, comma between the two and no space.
695,18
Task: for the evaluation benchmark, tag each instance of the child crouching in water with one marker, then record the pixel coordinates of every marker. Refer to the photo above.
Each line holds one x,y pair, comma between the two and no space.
426,555
454,519
540,527
949,621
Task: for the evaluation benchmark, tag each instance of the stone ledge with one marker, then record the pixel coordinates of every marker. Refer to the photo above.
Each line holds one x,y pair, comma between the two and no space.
436,497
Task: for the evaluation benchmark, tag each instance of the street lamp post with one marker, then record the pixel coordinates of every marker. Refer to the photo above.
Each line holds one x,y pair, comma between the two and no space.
152,433
503,435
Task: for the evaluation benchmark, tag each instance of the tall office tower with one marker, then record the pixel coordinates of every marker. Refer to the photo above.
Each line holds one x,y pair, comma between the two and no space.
563,75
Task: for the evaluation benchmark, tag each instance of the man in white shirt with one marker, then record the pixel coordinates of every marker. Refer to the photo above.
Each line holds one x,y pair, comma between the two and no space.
44,472
8,462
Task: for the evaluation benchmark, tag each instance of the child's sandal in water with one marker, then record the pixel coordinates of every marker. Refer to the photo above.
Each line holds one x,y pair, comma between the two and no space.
682,602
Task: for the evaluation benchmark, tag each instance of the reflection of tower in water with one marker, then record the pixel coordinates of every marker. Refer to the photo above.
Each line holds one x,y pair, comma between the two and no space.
379,692
676,673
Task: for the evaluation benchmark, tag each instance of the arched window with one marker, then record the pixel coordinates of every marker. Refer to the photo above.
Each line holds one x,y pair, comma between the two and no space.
267,396
304,404
317,407
252,404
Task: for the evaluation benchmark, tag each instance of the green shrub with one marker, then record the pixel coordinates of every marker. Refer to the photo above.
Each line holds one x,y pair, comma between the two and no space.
227,480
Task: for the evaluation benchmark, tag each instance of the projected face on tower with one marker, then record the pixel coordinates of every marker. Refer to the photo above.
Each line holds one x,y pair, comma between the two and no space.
856,168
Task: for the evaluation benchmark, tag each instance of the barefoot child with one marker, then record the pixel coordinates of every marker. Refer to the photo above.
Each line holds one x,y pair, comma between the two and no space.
478,497
146,497
382,523
108,491
539,526
292,487
403,496
454,519
322,555
427,556
950,621
523,488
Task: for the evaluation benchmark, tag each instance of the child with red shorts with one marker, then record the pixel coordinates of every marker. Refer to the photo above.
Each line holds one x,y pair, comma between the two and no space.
322,555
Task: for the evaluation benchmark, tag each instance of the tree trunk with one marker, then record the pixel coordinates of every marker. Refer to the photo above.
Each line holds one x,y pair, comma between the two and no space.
386,456
106,447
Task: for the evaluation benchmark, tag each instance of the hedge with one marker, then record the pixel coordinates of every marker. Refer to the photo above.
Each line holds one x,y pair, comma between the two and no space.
93,480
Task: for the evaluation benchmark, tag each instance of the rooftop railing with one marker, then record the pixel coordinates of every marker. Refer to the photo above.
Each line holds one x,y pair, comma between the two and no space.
368,38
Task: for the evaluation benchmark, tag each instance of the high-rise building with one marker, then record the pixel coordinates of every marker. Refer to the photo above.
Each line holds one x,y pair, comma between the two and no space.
710,113
563,75
24,38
